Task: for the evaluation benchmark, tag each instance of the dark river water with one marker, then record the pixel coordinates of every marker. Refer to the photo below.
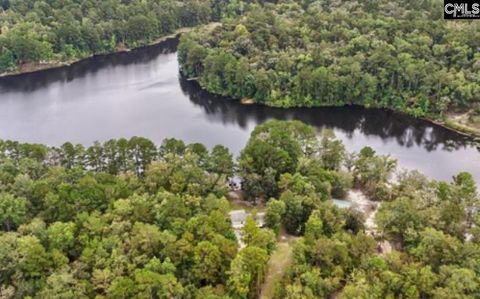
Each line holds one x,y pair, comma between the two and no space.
141,93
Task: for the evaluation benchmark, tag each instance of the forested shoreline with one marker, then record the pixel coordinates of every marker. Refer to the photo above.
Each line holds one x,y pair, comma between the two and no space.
398,55
30,68
286,54
129,219
36,35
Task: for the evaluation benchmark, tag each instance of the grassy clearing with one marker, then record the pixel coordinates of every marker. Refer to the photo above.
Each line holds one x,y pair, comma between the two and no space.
237,202
249,208
279,262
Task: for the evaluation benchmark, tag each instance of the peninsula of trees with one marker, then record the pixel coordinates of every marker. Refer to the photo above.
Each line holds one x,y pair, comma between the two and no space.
400,55
128,219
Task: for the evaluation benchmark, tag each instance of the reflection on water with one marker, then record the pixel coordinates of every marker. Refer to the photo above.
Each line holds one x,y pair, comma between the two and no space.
33,81
140,93
405,130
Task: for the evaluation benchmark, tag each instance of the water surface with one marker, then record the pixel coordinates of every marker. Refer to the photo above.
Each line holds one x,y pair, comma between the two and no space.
141,93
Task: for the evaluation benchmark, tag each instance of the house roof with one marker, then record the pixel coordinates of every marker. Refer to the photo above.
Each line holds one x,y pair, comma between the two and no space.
238,217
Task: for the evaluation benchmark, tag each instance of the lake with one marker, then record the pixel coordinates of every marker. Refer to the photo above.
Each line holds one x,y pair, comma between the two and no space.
141,93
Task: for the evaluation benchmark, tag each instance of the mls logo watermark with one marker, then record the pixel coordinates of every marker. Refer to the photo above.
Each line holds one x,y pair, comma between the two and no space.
461,9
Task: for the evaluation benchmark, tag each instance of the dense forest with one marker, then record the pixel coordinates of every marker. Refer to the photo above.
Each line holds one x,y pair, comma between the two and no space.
34,31
128,219
400,55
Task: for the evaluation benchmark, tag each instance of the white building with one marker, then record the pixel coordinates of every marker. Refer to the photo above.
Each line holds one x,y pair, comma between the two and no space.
238,218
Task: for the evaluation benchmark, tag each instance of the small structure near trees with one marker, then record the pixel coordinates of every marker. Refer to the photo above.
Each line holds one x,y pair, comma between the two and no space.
238,218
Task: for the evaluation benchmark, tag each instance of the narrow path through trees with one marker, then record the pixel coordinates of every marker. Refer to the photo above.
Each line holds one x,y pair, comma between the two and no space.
279,261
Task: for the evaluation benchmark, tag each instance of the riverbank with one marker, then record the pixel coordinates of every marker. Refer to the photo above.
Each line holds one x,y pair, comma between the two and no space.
38,67
452,123
141,94
461,123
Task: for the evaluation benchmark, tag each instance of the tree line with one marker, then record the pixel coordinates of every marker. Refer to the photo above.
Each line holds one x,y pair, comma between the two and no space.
50,31
129,219
426,223
122,219
400,55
